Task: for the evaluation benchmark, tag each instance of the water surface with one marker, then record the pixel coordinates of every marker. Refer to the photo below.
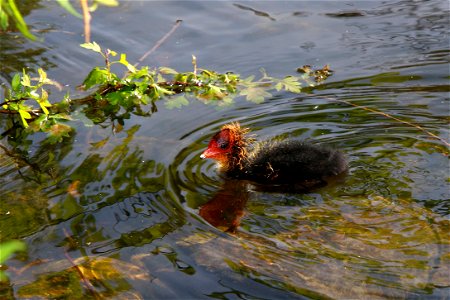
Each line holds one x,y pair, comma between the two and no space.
124,205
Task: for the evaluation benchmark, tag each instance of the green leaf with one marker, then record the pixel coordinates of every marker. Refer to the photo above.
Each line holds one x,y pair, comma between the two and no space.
8,248
15,83
145,99
3,19
96,77
24,115
123,61
43,101
92,46
165,70
216,92
139,73
255,94
176,102
18,19
93,7
160,78
110,3
42,76
114,98
67,6
25,79
290,84
160,91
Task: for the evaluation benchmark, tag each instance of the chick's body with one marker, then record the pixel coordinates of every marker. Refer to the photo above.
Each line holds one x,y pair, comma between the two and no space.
273,162
289,162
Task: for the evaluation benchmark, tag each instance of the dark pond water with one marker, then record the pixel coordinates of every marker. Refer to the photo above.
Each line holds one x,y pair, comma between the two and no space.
124,206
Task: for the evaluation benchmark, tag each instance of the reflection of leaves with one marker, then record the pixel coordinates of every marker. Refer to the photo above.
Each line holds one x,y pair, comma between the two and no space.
58,131
255,94
176,102
106,277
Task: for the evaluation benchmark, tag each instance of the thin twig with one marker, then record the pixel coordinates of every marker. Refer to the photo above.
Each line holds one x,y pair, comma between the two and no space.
391,117
160,42
13,101
86,282
86,21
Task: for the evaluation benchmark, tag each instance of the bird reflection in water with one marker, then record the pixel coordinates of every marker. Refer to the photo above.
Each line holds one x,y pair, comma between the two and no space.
227,206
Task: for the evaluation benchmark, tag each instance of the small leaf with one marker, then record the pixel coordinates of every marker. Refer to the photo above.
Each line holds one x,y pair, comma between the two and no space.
3,20
68,6
145,99
93,7
18,19
216,92
24,115
160,90
110,3
92,46
255,94
95,77
290,84
25,79
42,75
114,97
43,101
165,70
160,78
8,248
139,73
15,83
123,61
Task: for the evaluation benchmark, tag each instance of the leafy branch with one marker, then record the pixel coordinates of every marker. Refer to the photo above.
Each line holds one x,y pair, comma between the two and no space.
115,97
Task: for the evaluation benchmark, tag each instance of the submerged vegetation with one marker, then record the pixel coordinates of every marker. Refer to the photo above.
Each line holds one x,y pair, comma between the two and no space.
114,97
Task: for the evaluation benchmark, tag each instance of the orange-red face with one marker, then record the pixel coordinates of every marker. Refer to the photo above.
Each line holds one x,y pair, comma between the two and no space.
220,146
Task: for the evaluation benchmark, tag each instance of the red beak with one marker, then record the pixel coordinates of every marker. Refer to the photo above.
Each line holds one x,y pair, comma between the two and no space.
208,153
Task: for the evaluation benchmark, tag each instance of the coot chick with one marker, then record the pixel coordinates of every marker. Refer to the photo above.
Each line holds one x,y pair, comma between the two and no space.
273,162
